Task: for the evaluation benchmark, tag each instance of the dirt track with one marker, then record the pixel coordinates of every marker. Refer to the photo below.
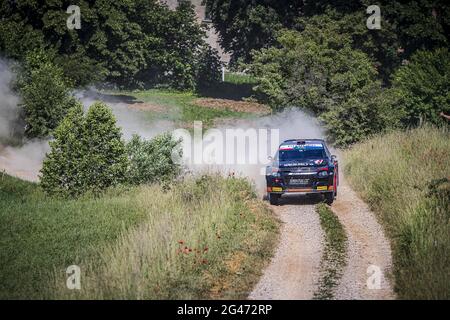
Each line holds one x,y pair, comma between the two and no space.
293,272
367,248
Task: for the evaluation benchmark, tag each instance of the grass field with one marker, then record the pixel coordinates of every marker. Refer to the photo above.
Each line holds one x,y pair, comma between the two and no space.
404,176
207,237
180,107
239,78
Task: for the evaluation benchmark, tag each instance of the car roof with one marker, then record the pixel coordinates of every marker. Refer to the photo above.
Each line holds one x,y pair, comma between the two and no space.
307,141
290,141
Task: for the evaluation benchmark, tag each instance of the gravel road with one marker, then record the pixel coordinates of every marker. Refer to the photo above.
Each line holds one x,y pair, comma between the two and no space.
294,270
369,251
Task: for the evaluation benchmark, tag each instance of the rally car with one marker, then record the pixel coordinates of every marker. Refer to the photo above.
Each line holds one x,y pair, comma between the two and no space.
302,167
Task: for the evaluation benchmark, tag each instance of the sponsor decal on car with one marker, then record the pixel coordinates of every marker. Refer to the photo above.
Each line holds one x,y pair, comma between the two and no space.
301,146
288,147
318,162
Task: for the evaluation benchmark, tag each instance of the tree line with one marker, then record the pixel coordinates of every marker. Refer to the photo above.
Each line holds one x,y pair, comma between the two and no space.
321,56
130,43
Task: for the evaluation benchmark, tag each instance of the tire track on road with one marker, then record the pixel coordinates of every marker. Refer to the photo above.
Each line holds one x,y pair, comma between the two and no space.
295,268
367,246
294,271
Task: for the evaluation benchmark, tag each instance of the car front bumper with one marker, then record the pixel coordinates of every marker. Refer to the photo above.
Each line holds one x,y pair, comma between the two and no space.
281,184
300,191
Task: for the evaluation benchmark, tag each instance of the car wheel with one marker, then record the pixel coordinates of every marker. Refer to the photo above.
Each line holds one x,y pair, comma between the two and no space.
329,198
273,198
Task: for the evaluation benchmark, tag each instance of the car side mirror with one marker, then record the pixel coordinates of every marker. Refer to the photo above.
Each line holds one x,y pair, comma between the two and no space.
333,158
269,158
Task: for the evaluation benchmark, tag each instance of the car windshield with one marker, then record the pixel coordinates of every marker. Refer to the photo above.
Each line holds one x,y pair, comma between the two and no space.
294,155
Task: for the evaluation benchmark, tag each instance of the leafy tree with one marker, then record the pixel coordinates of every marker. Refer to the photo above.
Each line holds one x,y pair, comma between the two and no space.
208,68
315,69
318,69
423,86
246,25
420,24
62,172
129,43
174,56
45,95
381,46
87,154
152,161
406,26
106,159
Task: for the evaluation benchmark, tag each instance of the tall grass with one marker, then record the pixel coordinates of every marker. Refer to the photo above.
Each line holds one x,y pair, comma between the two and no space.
334,257
38,233
403,176
200,238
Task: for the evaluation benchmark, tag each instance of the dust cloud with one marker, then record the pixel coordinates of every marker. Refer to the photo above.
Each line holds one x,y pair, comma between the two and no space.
250,161
24,161
130,121
260,138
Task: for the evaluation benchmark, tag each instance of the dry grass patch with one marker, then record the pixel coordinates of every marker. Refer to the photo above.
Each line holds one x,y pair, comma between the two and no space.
146,106
232,105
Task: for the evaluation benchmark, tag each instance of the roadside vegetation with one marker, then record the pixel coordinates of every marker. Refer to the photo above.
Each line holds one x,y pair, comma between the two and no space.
334,256
205,237
406,181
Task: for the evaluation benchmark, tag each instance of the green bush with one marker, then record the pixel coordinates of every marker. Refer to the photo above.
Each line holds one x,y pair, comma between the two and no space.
365,112
87,154
107,160
151,161
423,86
45,94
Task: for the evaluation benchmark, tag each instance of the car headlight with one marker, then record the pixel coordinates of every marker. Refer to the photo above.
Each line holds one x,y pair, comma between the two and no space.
274,172
323,174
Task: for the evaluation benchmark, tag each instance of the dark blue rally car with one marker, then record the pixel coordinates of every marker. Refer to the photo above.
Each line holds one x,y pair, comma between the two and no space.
302,167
